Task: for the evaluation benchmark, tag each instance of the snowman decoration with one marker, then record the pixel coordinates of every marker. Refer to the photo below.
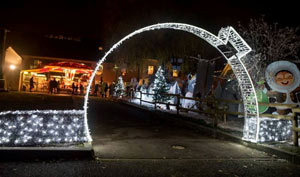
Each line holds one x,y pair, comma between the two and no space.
190,90
283,77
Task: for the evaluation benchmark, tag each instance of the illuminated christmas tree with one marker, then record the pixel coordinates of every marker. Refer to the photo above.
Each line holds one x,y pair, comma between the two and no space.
160,87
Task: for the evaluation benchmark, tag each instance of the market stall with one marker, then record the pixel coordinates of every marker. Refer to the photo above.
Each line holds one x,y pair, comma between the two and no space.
65,74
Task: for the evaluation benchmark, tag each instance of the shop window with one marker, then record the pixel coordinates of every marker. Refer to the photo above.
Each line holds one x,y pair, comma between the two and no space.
175,73
150,70
123,71
37,63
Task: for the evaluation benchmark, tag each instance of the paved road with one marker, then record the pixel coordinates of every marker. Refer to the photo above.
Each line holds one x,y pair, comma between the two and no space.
133,142
124,132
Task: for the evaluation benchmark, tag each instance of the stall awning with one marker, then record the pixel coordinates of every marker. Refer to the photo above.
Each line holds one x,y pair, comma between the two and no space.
69,65
78,68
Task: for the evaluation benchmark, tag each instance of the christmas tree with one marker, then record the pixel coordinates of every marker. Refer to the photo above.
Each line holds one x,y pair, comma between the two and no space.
160,87
119,88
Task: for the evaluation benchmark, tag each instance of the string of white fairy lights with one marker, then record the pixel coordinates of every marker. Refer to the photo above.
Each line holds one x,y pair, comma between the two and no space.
225,36
38,127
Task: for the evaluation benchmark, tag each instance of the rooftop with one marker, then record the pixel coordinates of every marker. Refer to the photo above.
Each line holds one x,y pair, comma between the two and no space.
60,47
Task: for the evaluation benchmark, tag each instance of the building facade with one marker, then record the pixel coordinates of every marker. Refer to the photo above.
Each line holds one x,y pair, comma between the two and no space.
18,69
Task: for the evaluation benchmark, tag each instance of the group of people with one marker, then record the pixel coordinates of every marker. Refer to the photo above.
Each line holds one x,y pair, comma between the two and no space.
54,86
75,88
104,89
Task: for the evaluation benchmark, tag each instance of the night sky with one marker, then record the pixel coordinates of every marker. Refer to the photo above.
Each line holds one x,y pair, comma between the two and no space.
105,21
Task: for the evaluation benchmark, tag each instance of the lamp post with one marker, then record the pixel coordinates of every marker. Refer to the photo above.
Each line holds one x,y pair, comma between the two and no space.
116,69
3,32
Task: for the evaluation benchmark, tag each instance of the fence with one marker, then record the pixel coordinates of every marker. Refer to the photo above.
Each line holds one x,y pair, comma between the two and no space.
219,108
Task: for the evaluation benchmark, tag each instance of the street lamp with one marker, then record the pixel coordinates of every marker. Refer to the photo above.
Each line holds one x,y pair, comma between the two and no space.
12,67
116,69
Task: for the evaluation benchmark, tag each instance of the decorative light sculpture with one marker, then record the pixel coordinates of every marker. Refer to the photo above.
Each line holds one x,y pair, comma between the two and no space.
119,88
160,87
225,36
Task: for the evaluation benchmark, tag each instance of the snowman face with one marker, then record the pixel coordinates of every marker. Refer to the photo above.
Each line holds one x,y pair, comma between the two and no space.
284,78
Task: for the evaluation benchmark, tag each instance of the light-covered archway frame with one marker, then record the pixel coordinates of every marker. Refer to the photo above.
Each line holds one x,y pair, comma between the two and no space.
235,55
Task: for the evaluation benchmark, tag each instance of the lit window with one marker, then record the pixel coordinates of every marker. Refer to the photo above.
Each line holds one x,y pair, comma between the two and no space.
123,71
37,63
150,70
175,73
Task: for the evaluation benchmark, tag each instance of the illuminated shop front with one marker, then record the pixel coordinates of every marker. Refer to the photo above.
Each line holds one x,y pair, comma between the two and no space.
65,73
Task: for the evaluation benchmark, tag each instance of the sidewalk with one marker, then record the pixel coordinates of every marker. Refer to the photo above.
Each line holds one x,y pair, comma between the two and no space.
83,151
230,131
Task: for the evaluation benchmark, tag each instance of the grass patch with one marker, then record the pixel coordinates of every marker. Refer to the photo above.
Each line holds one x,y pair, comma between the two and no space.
33,101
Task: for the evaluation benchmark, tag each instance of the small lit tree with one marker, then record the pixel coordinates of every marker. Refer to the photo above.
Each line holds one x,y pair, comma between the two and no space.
119,88
160,87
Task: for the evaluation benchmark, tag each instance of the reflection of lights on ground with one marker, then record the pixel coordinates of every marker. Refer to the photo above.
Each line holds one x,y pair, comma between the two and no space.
12,67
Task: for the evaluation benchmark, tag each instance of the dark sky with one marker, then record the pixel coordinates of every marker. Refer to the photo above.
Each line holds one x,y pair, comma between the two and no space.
98,18
103,20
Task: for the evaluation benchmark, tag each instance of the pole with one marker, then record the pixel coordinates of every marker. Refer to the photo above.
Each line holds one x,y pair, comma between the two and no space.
155,101
178,103
2,56
141,93
295,133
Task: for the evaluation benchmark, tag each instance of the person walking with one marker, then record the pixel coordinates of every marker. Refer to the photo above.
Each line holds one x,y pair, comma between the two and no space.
102,89
96,89
105,89
111,89
76,88
54,86
73,88
31,83
81,89
51,86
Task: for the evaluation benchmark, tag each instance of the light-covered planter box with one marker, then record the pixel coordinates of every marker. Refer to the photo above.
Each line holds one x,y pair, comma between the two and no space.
272,130
42,127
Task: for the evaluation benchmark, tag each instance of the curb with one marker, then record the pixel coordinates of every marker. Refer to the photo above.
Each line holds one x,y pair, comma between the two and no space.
46,153
290,156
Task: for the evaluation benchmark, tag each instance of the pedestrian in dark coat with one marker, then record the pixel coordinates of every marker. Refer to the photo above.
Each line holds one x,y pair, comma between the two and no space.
51,86
105,89
31,82
96,89
73,88
55,85
81,89
76,88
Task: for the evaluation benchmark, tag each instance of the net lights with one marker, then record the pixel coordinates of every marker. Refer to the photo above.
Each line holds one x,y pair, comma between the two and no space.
31,128
274,130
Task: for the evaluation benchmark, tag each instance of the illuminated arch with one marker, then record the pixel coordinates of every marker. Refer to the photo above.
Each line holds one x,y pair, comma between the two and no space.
226,36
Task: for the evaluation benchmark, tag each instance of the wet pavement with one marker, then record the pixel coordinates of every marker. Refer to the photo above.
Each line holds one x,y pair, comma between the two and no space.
133,142
122,131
